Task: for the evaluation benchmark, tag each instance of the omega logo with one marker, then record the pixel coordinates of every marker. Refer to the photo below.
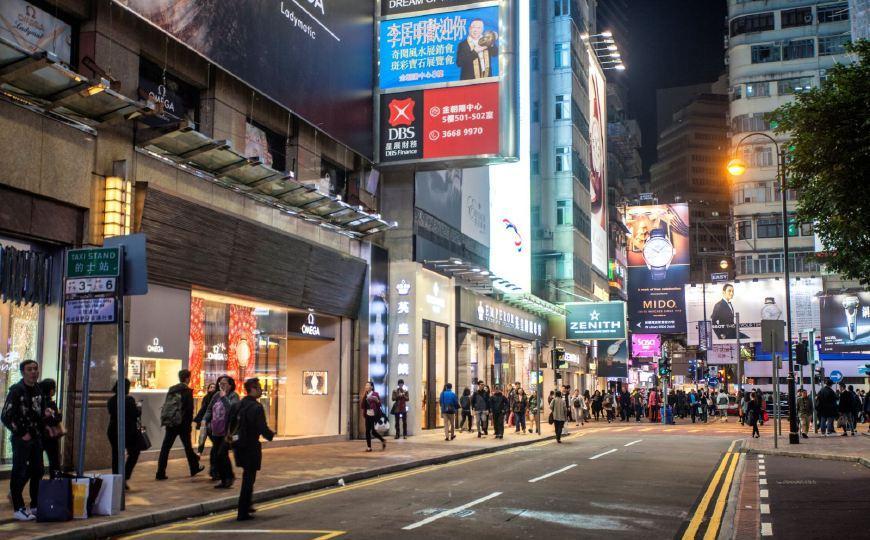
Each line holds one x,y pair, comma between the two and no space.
155,347
311,329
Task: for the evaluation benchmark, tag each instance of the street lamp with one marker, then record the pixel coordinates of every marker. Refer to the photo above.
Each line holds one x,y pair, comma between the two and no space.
737,167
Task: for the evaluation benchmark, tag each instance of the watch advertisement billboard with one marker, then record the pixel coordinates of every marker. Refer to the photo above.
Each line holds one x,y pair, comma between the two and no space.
845,322
753,301
658,267
595,320
440,123
613,358
646,345
598,163
312,57
394,7
439,48
35,30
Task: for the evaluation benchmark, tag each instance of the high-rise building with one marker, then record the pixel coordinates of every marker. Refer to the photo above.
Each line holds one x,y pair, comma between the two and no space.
692,152
775,49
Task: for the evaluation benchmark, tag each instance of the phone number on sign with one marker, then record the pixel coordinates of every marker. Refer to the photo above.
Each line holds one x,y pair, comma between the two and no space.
451,133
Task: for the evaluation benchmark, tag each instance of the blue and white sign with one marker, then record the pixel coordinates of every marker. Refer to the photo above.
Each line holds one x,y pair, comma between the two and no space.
712,382
99,310
439,48
836,376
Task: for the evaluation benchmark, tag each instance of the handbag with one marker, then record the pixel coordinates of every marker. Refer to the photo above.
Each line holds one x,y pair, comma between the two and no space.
764,416
842,421
550,419
382,426
143,441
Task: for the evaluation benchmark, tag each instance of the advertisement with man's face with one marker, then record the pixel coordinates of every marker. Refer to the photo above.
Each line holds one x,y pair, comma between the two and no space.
845,322
658,267
312,57
753,302
598,163
439,48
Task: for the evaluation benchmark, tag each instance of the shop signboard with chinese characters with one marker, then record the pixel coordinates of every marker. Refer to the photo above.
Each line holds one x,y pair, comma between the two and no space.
658,267
595,320
486,313
90,286
845,322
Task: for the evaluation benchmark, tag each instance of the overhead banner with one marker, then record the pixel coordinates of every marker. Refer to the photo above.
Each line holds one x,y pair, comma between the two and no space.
439,48
845,322
440,123
754,301
33,29
658,267
394,7
646,345
598,162
311,56
596,320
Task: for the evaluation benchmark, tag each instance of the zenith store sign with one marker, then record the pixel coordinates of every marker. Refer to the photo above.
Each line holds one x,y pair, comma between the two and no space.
440,123
596,320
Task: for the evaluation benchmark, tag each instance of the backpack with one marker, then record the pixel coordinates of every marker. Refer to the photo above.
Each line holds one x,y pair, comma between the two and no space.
219,415
170,414
577,403
465,402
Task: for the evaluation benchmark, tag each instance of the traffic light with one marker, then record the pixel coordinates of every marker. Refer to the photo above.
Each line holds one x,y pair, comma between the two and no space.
665,367
801,353
559,359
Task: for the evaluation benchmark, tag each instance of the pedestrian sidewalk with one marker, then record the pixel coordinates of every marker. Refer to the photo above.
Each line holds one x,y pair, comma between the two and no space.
286,471
836,447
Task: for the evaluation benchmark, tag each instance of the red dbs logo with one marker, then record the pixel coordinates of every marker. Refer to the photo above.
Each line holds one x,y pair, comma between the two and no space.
402,112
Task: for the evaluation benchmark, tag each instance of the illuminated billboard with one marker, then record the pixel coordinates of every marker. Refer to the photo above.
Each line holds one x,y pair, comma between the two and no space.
598,162
393,7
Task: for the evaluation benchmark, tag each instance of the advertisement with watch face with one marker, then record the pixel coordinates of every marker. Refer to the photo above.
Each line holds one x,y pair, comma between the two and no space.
658,267
845,322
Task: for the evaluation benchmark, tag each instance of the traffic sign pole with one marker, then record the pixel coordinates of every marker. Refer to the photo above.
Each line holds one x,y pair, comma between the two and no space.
86,379
122,380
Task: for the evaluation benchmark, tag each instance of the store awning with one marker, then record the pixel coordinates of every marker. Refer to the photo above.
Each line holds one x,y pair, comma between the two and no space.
41,82
216,160
533,304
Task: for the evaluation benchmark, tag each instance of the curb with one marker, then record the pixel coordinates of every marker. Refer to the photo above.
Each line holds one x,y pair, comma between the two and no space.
808,455
126,525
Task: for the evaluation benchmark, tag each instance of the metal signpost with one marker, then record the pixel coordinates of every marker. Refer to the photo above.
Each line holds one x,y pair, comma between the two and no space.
772,338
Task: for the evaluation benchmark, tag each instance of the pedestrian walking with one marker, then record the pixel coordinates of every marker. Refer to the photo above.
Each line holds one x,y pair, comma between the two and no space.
465,408
52,420
857,406
132,443
521,403
722,406
637,404
805,412
480,404
399,410
248,424
577,407
498,405
211,390
826,407
176,416
449,405
596,404
845,409
23,415
755,412
370,404
560,414
217,418
608,406
653,406
533,410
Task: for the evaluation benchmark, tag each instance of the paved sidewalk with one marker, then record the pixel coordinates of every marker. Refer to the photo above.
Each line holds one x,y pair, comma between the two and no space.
850,448
286,471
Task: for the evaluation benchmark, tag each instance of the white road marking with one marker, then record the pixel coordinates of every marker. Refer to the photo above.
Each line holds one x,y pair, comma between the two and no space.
765,508
451,511
766,529
763,494
632,442
761,456
603,454
554,473
762,468
762,481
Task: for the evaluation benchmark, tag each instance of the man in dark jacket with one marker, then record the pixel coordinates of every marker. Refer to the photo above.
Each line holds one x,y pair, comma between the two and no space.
498,404
401,397
826,405
845,408
247,424
23,415
177,417
480,404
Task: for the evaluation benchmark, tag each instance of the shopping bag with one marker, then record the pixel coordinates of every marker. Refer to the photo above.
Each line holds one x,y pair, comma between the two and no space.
108,501
55,500
80,489
93,491
383,425
764,416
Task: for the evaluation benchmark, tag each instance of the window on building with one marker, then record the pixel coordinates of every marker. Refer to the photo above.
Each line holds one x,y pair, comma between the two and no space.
758,156
535,60
757,22
803,261
744,230
833,12
765,53
829,45
749,122
744,264
769,227
563,212
535,163
798,48
582,273
563,159
563,107
581,220
564,267
757,89
807,229
795,85
796,17
562,57
561,8
736,92
768,263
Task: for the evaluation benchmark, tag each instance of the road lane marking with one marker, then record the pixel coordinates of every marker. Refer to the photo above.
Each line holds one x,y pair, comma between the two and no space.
622,429
766,529
632,442
761,467
765,508
698,516
762,481
604,453
554,473
322,535
719,509
763,493
694,430
446,513
645,429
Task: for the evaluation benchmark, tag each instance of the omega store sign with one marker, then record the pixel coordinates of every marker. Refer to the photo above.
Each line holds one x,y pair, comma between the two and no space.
488,314
311,325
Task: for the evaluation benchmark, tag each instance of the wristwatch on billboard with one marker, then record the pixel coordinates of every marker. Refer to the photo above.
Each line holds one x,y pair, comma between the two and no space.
658,254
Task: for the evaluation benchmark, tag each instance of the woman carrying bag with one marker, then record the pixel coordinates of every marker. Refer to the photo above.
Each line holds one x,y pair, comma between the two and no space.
370,405
53,428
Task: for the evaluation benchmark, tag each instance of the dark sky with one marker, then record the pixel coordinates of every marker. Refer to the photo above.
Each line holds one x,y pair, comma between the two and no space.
672,43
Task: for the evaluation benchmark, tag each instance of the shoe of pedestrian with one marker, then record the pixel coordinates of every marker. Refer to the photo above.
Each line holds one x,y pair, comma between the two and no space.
383,445
161,477
404,436
245,517
252,510
32,511
23,515
223,485
198,470
804,435
454,436
446,438
368,449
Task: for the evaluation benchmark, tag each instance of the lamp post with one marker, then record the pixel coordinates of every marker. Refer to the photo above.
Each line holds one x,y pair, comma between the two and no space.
737,167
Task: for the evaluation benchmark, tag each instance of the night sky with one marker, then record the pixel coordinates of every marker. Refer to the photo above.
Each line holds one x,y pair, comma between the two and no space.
672,43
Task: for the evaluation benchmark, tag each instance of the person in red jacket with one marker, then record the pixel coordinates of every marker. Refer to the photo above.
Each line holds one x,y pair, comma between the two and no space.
370,404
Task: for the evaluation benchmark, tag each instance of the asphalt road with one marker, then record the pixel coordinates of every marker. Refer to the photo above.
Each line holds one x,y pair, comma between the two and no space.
816,498
597,483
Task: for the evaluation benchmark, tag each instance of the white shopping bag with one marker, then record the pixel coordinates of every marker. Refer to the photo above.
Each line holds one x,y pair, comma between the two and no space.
108,502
